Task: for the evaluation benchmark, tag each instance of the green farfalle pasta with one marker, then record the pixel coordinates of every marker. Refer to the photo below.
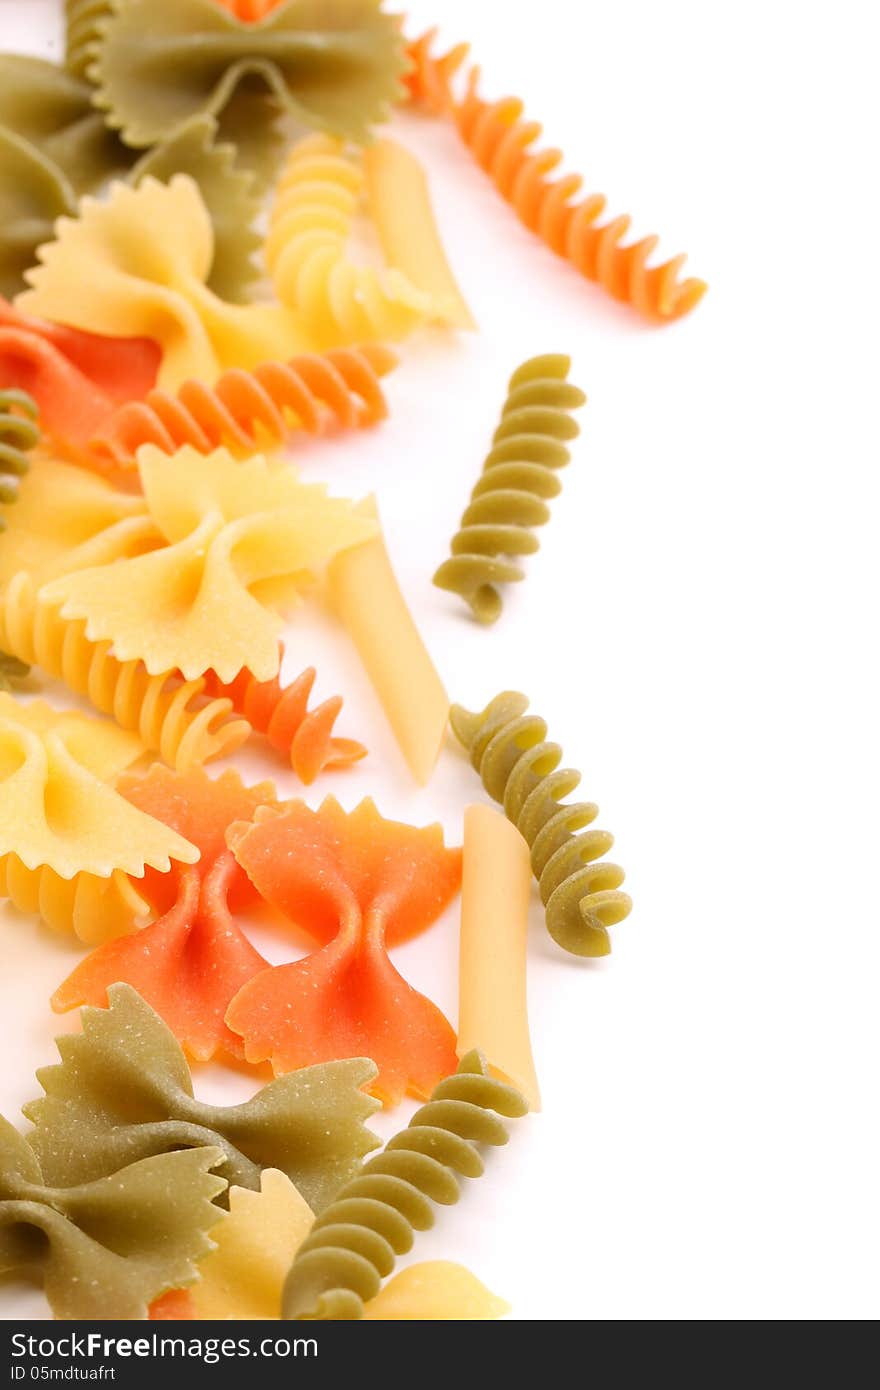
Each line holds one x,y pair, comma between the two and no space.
12,671
518,478
230,194
520,769
123,1092
106,1249
33,193
19,433
353,1245
49,107
334,64
82,31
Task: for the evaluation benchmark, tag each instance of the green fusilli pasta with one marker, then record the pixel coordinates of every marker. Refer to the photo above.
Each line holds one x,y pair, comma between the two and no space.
353,1244
518,478
521,771
19,433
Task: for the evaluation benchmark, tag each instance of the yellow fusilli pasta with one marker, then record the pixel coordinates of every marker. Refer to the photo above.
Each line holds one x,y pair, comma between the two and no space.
307,252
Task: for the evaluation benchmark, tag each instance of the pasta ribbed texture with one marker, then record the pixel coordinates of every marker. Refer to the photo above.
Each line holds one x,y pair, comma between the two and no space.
242,409
94,909
19,433
173,717
502,141
353,1244
518,475
83,29
282,713
428,81
311,222
521,771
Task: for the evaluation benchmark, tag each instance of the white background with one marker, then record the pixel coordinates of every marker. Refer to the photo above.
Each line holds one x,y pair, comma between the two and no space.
699,630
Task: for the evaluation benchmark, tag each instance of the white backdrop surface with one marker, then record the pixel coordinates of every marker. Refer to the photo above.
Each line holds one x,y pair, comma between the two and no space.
699,631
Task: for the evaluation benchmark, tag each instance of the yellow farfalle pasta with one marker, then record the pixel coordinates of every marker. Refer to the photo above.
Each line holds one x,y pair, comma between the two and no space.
66,518
56,807
137,265
240,539
243,1277
307,251
435,1291
175,718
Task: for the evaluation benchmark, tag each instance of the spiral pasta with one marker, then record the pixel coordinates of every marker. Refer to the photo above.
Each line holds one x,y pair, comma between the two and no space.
172,716
501,141
282,713
307,253
520,770
428,82
82,31
353,1243
518,474
94,909
245,409
19,433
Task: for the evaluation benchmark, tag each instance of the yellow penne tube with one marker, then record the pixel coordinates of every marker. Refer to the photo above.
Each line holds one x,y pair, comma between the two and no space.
495,895
400,205
367,597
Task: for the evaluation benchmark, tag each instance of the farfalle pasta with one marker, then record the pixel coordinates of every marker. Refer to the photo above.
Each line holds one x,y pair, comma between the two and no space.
191,962
64,519
137,265
435,1291
33,193
107,1248
334,64
231,195
243,1276
123,1092
77,379
240,539
175,718
51,109
57,807
355,883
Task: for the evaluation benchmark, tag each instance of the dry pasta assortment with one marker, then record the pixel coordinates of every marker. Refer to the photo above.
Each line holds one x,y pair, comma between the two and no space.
160,344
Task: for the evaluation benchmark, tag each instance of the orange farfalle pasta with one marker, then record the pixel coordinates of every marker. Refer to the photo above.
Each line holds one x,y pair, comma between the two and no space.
78,379
502,141
193,960
282,713
313,393
428,82
356,883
